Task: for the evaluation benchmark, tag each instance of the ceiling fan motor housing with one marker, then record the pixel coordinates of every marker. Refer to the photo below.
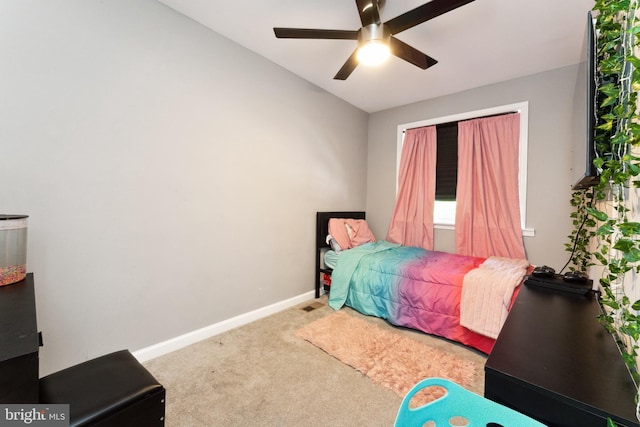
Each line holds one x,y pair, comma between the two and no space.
374,32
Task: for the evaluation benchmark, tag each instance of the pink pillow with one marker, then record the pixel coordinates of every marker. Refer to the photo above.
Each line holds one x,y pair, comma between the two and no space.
349,232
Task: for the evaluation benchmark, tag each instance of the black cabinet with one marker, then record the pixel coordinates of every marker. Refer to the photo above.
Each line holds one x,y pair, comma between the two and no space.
112,390
19,343
555,362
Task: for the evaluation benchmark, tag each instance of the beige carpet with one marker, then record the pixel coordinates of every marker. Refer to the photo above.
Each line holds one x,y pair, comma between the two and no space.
387,357
261,374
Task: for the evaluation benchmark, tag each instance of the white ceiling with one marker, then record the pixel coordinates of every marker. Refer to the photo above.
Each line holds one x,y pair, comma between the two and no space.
483,42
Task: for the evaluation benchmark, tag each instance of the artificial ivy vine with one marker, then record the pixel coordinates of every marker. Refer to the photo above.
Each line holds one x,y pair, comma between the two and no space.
601,218
583,231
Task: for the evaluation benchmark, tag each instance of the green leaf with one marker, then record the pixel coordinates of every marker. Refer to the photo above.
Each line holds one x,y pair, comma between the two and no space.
611,100
608,125
634,170
599,215
605,229
624,245
598,162
611,304
633,255
610,89
629,228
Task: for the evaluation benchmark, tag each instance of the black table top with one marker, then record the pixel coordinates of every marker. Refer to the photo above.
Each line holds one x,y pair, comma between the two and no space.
553,342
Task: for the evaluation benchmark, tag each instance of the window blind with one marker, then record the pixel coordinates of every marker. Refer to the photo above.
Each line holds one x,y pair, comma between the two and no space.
447,161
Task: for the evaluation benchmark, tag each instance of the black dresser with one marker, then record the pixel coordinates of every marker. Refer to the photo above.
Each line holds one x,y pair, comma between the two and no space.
555,362
19,343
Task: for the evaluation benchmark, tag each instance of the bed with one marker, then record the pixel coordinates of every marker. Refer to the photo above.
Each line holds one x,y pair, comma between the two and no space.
460,298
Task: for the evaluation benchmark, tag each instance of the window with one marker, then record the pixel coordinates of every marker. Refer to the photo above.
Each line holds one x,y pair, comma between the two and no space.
444,211
447,161
446,173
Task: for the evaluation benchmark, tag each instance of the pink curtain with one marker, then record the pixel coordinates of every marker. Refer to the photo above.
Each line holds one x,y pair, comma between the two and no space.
487,196
412,219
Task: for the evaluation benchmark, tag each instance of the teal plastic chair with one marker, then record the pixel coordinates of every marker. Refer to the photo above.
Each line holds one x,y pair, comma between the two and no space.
458,407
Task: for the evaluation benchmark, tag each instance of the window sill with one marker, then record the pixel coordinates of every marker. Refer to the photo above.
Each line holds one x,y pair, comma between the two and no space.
526,232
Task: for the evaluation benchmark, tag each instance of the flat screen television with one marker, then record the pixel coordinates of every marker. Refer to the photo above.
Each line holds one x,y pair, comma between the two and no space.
585,174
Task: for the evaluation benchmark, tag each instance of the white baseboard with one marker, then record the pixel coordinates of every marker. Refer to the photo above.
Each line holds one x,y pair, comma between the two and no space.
193,337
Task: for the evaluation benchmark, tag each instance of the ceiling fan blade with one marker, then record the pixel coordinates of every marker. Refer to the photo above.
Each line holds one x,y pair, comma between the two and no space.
423,13
410,54
308,33
369,12
348,67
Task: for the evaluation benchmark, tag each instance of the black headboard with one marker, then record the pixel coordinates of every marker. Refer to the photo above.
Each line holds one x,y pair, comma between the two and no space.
322,224
322,229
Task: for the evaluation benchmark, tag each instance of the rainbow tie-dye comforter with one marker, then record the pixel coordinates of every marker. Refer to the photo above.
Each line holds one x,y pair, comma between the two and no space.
407,286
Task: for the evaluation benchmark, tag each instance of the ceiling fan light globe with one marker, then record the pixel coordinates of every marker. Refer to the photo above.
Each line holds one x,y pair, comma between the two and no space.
373,52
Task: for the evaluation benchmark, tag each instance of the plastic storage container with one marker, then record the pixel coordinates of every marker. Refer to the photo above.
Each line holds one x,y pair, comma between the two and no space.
13,248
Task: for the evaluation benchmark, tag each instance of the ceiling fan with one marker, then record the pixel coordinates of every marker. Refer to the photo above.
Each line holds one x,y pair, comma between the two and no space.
378,35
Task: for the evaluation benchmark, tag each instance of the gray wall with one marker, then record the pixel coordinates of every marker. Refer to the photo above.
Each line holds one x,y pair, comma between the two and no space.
551,133
171,176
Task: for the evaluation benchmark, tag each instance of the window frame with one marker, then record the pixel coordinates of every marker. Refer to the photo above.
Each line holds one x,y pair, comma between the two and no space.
519,107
